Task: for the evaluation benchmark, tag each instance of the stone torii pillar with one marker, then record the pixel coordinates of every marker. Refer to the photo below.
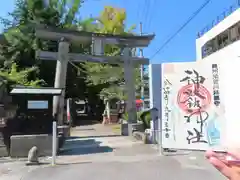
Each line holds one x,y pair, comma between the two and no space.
60,78
130,89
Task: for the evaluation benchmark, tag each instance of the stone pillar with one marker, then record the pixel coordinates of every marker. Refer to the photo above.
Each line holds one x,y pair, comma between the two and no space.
130,88
60,79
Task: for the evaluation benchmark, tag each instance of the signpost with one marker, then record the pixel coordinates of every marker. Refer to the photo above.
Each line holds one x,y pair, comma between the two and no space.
54,142
98,41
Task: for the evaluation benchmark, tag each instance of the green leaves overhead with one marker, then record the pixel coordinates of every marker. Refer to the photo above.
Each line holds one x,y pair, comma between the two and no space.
109,77
20,41
21,77
17,54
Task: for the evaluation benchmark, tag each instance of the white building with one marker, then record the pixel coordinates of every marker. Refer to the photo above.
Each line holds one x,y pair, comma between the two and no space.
222,41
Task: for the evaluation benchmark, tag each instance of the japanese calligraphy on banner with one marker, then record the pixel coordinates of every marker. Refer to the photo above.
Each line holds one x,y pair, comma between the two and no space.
192,106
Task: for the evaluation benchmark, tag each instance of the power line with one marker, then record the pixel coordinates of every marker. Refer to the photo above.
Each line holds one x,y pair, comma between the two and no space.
151,16
143,11
147,6
182,27
138,10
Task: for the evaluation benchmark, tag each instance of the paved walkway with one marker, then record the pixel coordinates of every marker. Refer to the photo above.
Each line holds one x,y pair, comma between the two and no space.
95,143
96,152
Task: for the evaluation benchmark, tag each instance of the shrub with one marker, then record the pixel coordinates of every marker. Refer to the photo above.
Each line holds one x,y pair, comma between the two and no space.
145,117
125,116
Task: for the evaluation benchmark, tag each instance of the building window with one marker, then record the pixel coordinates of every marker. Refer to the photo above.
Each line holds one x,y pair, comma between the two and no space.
209,48
235,32
223,39
238,30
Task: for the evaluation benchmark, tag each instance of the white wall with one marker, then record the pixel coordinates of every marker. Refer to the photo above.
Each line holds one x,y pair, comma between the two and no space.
216,30
231,51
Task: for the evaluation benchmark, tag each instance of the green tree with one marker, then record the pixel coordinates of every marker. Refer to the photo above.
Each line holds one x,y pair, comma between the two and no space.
20,77
110,78
21,44
17,53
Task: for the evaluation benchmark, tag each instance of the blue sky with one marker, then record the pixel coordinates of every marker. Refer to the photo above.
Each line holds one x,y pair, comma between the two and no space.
162,17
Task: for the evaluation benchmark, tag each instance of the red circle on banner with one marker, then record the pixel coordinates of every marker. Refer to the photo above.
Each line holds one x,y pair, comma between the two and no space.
192,99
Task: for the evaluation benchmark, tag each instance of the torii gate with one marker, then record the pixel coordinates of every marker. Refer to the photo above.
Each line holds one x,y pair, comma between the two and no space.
98,41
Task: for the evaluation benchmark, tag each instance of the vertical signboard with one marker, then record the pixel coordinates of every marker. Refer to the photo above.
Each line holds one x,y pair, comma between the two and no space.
155,79
192,106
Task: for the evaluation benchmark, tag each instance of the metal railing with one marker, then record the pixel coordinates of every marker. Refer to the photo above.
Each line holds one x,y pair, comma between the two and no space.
219,19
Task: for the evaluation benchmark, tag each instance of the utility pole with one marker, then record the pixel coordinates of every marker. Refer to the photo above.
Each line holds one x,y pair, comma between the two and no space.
142,71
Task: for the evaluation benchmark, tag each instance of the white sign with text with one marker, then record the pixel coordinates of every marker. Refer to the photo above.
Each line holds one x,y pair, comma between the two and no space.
193,106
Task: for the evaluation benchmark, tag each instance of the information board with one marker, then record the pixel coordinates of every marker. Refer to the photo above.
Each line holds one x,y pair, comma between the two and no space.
37,105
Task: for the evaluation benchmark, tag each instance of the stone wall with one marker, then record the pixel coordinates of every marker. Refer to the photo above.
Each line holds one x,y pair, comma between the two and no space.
21,144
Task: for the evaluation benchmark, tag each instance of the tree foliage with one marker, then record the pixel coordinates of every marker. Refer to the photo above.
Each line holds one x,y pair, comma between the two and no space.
109,77
17,53
18,50
20,77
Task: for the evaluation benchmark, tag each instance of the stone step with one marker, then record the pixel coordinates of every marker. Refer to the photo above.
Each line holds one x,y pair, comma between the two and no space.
2,142
2,145
3,151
